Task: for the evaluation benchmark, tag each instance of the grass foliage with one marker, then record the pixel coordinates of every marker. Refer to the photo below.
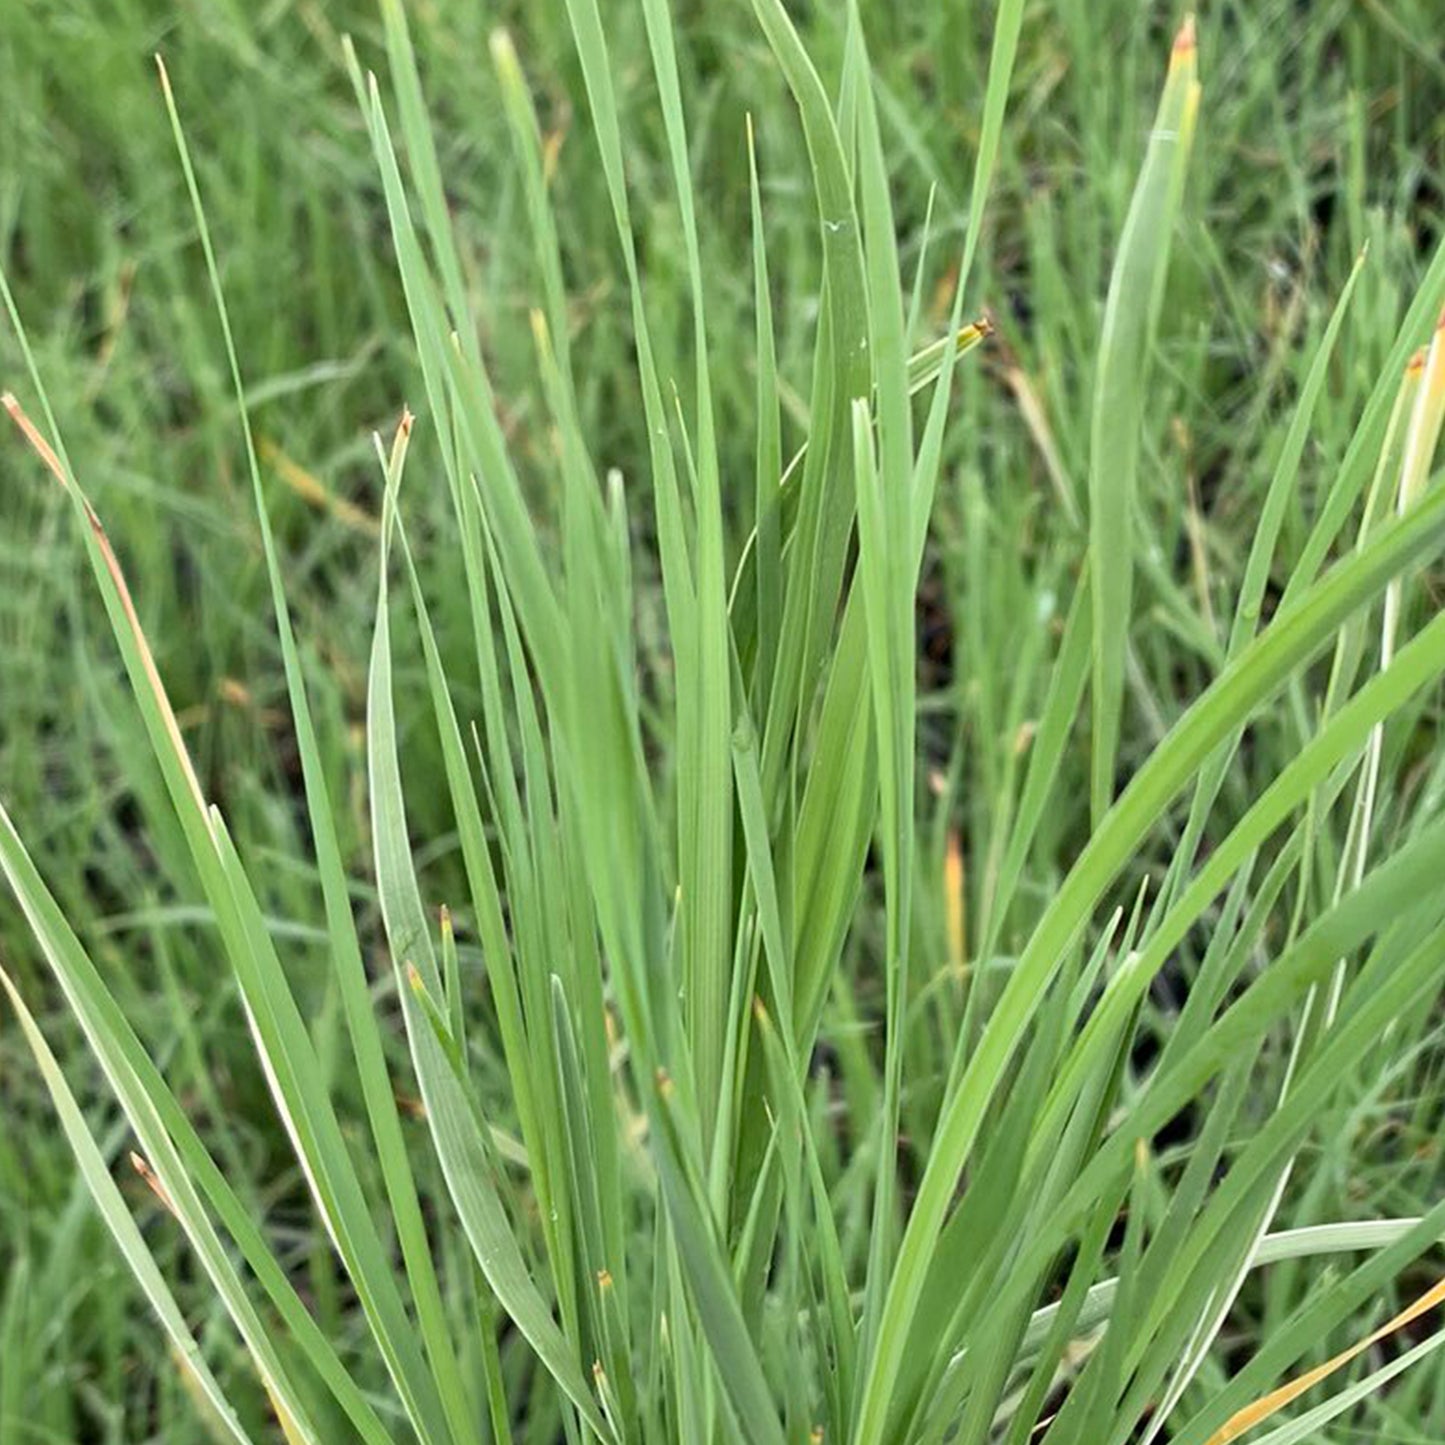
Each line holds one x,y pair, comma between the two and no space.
800,859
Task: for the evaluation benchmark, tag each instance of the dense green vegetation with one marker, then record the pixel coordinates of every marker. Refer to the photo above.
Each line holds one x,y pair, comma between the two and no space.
945,948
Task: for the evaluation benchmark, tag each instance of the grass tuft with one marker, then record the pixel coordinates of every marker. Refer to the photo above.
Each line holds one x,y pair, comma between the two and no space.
604,913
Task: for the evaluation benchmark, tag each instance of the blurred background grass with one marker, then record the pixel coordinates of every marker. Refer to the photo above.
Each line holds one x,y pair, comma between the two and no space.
1322,130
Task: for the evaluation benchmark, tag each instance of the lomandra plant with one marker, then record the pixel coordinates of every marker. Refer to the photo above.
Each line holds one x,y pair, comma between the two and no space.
679,1228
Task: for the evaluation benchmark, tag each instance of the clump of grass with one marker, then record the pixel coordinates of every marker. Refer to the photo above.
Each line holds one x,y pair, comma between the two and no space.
637,1212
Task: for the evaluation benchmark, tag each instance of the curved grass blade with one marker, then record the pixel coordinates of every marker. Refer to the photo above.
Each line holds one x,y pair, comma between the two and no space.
179,1160
1255,676
451,1115
280,1034
348,968
112,1208
1261,1410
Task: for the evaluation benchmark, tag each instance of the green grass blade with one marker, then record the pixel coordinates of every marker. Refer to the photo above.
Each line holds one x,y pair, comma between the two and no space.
767,503
842,372
719,1315
1130,318
176,1156
112,1208
706,804
280,1034
349,970
451,1115
1256,675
